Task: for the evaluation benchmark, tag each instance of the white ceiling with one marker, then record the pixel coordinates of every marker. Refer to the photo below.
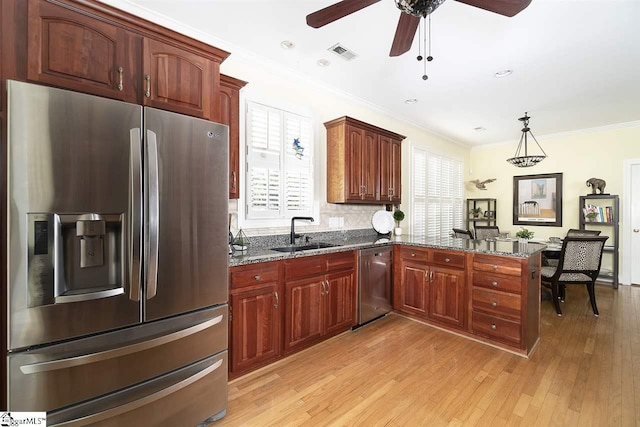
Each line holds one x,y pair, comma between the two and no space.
576,63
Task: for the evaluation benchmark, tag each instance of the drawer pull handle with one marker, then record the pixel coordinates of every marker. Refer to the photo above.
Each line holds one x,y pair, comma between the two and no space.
493,326
257,277
495,267
494,303
447,260
494,284
277,300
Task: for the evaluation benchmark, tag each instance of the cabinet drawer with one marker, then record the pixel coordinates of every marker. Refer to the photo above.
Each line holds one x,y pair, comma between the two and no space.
340,261
262,273
307,266
496,302
495,264
414,254
498,282
448,259
495,327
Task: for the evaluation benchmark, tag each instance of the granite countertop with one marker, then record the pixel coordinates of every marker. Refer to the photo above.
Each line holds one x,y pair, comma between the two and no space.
257,254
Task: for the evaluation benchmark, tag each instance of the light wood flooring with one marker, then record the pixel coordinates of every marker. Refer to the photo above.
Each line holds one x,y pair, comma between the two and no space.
398,372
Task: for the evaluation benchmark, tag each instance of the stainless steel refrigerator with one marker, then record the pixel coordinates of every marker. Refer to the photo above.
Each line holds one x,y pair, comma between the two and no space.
117,269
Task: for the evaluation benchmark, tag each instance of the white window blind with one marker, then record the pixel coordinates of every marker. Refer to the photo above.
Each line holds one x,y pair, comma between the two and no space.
437,202
279,176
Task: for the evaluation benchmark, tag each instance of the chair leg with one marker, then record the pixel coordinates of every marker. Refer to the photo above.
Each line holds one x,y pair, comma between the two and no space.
563,291
592,298
554,297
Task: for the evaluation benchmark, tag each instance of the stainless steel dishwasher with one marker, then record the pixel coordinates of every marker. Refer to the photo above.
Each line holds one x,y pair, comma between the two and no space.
375,283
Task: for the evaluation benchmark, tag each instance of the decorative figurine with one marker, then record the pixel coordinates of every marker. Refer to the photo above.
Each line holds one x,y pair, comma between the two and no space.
481,184
596,184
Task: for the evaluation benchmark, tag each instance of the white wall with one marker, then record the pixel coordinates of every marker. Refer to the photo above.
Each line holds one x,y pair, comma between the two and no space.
579,156
282,89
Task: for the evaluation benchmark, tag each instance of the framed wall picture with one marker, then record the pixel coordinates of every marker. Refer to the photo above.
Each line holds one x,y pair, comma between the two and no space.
537,199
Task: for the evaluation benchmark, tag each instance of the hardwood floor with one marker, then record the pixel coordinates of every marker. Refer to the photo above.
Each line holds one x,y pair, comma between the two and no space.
398,372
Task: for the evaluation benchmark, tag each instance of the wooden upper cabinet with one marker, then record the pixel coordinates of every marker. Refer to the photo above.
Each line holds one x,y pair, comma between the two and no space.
363,163
90,47
229,114
76,51
177,79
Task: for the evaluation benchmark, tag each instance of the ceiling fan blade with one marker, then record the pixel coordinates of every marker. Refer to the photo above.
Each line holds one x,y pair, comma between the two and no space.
336,11
502,7
406,31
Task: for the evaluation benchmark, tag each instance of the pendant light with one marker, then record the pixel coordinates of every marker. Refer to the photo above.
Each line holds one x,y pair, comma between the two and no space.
525,160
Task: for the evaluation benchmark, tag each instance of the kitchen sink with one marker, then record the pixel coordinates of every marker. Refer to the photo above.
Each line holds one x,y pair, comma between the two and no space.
307,247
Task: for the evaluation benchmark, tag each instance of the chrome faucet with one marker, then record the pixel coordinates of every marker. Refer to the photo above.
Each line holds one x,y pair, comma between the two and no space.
293,232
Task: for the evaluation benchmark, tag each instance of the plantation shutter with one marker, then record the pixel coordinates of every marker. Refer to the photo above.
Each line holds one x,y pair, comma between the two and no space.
279,176
438,195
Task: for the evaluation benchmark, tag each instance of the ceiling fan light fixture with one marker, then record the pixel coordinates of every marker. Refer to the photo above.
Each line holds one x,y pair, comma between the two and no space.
418,8
526,160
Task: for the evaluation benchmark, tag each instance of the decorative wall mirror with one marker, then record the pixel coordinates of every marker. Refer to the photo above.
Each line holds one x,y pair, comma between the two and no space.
537,199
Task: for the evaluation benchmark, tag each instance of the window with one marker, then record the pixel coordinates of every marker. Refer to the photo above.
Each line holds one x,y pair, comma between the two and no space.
437,196
279,164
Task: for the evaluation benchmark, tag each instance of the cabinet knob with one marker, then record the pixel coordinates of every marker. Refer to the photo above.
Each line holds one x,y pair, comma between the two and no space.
413,254
495,267
257,277
494,303
447,260
494,284
493,326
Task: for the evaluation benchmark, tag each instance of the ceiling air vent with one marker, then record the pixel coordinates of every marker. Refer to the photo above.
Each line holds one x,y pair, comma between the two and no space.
343,52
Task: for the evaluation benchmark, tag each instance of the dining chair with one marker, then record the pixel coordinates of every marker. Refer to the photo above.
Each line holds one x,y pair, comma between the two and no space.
486,232
576,232
462,233
579,263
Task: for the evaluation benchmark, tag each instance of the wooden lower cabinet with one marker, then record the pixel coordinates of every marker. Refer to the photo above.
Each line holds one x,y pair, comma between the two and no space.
426,290
281,307
320,303
255,302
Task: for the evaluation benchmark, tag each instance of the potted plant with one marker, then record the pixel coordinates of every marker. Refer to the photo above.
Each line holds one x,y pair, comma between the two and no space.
591,213
475,212
398,216
524,235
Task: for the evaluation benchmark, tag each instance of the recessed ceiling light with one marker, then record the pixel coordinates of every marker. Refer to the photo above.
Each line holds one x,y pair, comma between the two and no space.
410,101
286,44
323,63
479,129
503,73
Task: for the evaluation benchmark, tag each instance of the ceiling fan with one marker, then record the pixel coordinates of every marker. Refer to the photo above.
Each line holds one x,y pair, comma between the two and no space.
411,12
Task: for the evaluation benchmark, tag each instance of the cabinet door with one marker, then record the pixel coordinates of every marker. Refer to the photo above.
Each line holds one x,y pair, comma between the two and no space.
370,167
390,170
339,299
229,114
177,80
353,173
413,289
446,296
75,51
255,327
303,316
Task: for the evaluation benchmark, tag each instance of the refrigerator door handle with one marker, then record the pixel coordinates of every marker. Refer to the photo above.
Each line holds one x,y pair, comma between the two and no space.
110,413
55,365
153,214
135,233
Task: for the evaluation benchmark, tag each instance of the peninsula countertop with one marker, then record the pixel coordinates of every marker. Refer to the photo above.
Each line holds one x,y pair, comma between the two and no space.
496,247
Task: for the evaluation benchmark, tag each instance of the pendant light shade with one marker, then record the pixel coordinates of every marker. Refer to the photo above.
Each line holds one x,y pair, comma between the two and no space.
523,159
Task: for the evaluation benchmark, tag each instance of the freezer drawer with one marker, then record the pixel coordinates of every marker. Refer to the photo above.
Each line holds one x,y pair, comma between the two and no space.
49,378
186,397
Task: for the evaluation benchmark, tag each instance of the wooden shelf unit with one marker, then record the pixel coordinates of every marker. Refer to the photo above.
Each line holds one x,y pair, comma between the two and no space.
485,205
612,226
